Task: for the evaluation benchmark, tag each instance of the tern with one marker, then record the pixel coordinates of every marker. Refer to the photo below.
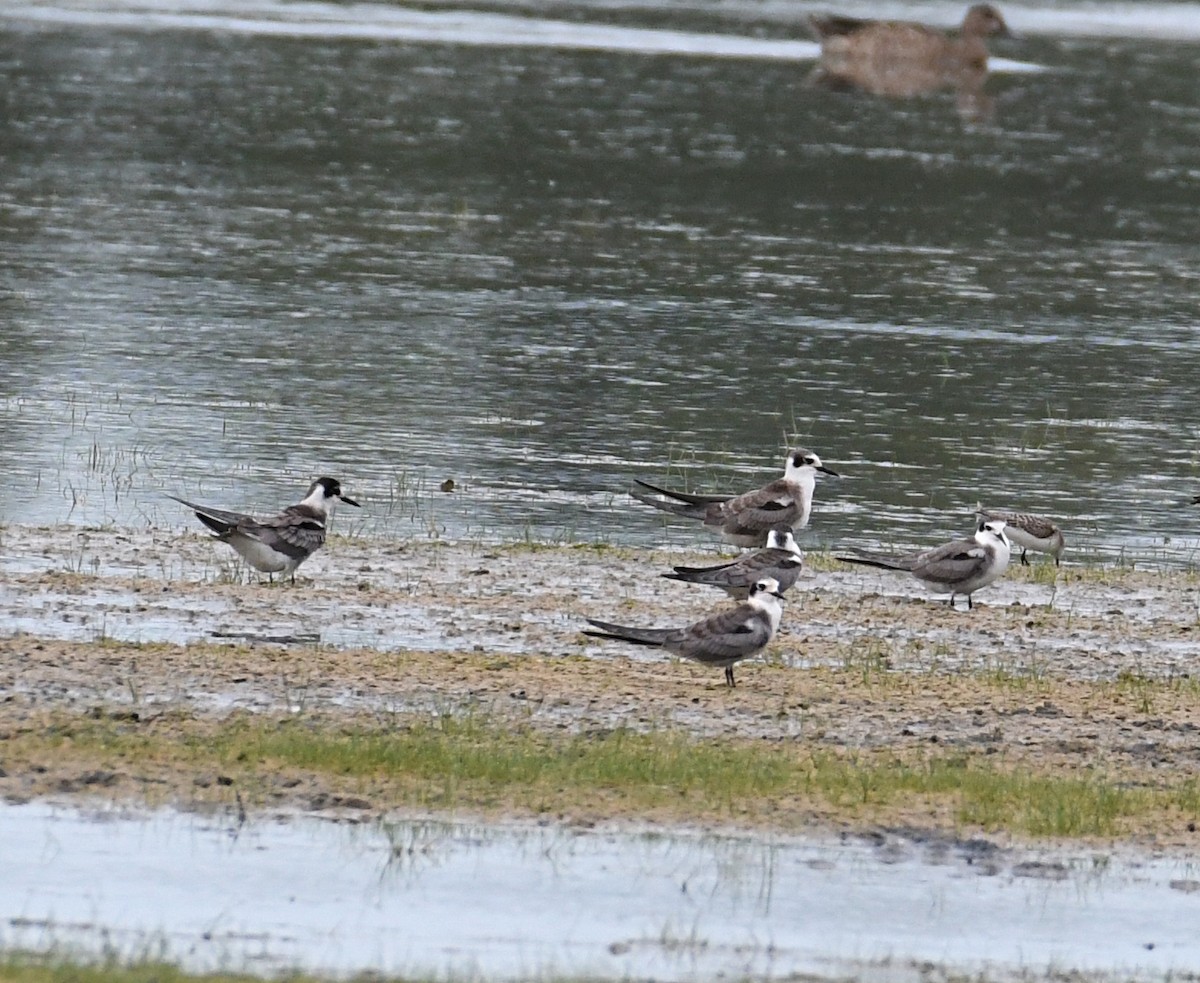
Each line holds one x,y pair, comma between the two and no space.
960,567
282,542
781,560
745,520
723,639
1030,532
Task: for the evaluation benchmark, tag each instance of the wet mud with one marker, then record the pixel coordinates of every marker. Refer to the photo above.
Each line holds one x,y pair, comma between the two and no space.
1076,666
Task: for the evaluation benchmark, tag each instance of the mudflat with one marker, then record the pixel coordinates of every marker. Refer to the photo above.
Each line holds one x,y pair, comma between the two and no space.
1059,671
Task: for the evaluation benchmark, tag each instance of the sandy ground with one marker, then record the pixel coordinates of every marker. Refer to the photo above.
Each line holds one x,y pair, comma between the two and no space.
1042,670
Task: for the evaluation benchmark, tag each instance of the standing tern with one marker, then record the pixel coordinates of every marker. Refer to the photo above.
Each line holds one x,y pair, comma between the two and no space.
745,520
282,542
723,639
781,560
960,567
1030,532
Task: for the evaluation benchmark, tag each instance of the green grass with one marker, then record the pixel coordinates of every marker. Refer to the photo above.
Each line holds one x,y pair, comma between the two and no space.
983,795
1148,691
454,761
475,763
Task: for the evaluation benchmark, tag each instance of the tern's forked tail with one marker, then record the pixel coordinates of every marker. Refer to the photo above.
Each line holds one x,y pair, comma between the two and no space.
878,560
639,636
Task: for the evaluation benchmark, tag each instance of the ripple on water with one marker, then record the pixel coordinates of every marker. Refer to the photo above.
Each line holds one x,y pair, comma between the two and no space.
509,901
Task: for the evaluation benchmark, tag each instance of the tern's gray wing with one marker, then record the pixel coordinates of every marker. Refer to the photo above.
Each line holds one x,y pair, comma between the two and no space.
297,531
783,565
952,563
757,512
723,639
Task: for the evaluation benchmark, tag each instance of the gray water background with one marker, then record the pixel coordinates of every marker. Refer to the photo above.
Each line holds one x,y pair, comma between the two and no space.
233,257
458,900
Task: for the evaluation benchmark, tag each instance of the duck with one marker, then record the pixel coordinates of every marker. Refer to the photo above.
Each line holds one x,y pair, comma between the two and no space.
902,59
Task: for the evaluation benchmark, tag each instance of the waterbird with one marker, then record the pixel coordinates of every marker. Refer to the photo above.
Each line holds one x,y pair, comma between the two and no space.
901,59
960,567
280,543
781,560
1030,532
745,520
723,639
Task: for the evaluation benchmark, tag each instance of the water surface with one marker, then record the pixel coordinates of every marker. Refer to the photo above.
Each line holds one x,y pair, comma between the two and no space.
516,902
237,254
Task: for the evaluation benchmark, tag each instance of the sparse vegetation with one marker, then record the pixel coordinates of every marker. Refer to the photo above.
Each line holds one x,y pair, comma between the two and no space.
476,763
869,708
18,967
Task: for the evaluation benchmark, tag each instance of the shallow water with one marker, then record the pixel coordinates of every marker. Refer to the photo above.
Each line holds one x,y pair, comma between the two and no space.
513,901
87,586
243,245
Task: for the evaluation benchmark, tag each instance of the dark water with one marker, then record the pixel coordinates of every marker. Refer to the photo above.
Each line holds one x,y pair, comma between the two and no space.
230,260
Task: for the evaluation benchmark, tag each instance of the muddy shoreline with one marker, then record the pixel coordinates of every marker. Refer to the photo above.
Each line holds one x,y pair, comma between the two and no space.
1086,666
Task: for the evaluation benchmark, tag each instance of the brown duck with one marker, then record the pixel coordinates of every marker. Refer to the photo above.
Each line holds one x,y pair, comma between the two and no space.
900,59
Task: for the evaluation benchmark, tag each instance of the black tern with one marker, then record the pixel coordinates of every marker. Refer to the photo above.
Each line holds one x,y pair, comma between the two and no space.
960,567
278,544
723,639
1030,532
747,519
781,560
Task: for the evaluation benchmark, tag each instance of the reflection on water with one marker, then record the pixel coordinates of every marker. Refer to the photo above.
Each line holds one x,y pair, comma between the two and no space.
235,260
517,902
